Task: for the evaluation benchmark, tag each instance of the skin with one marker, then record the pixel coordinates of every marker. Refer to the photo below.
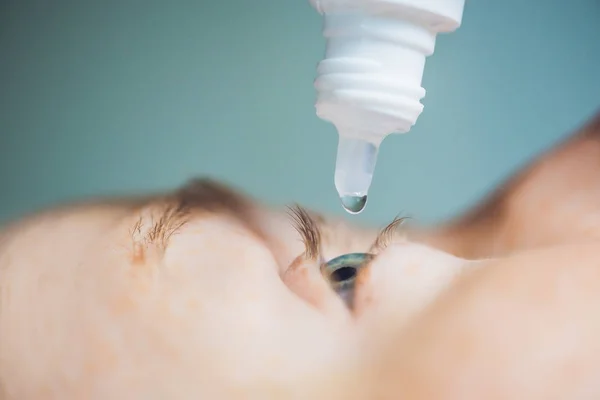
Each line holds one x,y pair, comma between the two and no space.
206,293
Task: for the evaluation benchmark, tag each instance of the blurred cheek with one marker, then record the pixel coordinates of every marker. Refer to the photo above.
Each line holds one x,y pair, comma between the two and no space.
402,281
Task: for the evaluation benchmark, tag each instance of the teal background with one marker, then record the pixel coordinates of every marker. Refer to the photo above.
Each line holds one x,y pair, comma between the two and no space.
120,97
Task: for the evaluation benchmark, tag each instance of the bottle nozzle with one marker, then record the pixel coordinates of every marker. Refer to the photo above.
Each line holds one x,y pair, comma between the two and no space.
355,164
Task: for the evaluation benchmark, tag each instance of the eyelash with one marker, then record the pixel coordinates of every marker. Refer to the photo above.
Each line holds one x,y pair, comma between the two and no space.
310,233
308,229
386,235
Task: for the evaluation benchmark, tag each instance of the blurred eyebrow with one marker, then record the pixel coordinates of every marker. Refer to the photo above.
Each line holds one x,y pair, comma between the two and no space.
209,195
177,209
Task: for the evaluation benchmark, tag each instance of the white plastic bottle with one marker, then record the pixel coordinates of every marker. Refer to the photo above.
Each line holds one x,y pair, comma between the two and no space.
369,83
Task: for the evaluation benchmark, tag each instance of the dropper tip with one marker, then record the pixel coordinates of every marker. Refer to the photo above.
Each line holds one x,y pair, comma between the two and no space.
354,204
355,163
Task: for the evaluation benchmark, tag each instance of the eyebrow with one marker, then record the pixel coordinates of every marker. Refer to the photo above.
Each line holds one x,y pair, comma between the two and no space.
175,210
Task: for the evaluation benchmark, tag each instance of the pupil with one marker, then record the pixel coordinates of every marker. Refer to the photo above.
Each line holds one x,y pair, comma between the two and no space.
343,274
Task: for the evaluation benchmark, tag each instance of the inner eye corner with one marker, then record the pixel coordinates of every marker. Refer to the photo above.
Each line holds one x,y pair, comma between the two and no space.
343,274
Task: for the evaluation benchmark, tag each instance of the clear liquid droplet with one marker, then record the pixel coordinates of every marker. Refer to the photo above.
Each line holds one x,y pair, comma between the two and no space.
354,204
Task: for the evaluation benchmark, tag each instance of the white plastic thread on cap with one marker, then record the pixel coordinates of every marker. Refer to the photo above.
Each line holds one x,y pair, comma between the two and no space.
369,83
374,64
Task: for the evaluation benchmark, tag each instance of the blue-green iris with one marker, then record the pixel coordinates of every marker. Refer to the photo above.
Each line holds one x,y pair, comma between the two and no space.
341,273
